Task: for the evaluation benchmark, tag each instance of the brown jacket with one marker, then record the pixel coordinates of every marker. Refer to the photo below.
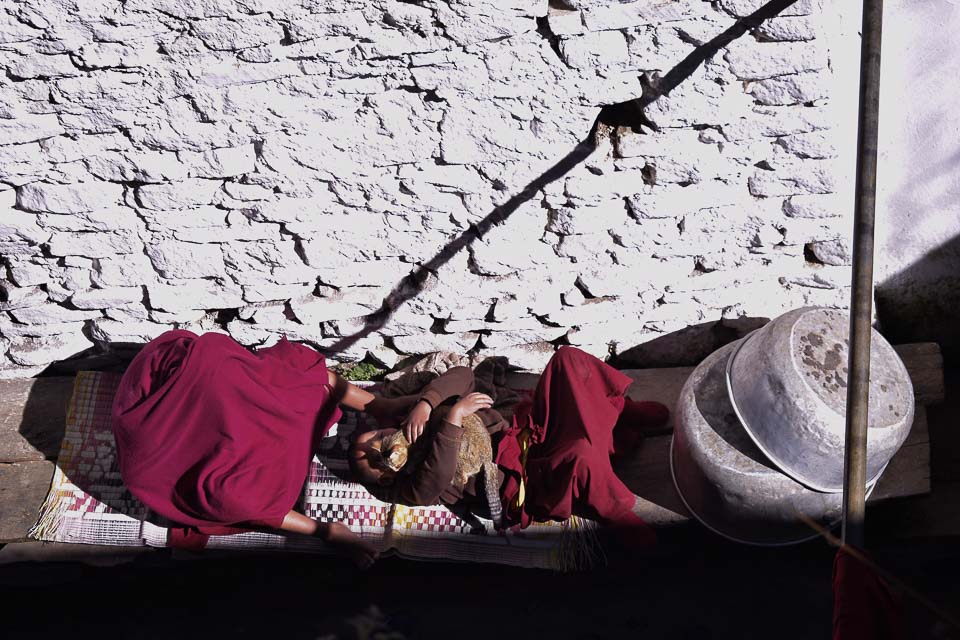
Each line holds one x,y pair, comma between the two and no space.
430,481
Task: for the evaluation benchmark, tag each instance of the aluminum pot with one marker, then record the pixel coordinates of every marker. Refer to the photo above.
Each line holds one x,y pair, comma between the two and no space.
725,481
787,383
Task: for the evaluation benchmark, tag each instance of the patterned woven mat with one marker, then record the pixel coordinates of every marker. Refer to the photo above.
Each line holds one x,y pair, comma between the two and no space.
88,503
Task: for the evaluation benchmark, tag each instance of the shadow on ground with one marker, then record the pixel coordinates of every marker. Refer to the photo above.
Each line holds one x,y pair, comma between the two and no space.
693,586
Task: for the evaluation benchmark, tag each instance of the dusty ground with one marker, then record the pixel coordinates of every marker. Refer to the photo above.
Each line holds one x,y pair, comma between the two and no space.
694,586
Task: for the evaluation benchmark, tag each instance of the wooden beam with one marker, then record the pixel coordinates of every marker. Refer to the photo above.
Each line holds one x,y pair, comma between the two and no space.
647,474
924,363
33,417
23,488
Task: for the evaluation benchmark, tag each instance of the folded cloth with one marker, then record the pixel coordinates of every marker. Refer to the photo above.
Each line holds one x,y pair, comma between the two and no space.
864,607
556,454
211,435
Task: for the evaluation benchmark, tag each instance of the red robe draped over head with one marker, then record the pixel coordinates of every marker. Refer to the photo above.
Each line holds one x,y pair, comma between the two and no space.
211,435
571,416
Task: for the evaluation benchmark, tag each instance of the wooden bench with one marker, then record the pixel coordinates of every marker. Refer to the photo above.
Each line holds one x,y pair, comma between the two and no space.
648,472
32,417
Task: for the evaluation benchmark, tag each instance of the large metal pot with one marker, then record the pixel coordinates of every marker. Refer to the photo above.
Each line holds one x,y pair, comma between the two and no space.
725,481
787,383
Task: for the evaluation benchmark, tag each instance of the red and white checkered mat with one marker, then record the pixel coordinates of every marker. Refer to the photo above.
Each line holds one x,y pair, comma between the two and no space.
88,503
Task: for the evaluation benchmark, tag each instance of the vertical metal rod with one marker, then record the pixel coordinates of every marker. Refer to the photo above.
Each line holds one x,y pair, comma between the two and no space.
855,450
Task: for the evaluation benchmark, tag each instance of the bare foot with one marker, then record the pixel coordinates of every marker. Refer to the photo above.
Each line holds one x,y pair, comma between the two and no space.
362,553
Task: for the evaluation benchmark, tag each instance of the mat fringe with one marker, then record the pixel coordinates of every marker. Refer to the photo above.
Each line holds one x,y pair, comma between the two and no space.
579,548
51,513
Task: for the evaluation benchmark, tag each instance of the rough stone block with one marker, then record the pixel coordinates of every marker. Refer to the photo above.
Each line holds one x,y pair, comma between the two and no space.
21,226
13,30
174,259
752,60
793,89
809,177
18,297
129,270
788,29
42,66
526,357
38,351
317,310
52,313
595,50
94,244
675,202
766,122
607,16
220,163
510,337
150,167
189,295
836,252
742,8
815,206
106,332
178,195
29,128
223,34
564,22
429,342
68,198
106,298
247,192
816,145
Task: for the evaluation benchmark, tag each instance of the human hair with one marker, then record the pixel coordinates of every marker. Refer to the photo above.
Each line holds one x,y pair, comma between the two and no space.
361,469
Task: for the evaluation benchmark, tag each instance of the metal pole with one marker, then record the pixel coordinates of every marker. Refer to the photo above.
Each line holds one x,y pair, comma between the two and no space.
855,450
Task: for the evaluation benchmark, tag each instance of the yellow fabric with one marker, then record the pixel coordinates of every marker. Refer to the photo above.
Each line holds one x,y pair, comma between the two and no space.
524,440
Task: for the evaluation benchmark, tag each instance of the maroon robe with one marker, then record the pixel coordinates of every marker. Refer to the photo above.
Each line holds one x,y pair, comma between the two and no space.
571,417
211,435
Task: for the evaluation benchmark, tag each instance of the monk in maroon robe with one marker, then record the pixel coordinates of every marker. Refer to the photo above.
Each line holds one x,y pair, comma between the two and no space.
557,447
218,439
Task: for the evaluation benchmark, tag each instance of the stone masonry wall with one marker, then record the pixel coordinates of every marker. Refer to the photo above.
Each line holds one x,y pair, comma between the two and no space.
271,167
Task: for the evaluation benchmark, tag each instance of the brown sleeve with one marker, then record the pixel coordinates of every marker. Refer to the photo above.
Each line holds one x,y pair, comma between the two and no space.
492,420
455,383
435,472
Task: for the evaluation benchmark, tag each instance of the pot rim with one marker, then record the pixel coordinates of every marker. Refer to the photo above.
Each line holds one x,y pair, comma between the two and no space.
731,537
728,379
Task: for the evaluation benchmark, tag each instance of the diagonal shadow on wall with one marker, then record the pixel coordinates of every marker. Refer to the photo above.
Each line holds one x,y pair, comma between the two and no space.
921,301
44,430
626,113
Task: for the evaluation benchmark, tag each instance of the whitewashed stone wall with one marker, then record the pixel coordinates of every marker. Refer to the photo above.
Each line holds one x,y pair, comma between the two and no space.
270,167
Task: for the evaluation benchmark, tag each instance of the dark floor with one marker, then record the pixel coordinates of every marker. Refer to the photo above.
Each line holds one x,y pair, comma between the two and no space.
695,586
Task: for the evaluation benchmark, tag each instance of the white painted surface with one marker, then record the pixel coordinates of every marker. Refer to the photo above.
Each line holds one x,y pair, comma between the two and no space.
286,169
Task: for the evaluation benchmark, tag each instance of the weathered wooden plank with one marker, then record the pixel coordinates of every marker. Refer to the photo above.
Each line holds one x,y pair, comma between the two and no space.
23,488
647,474
100,555
660,385
32,417
924,362
908,473
931,516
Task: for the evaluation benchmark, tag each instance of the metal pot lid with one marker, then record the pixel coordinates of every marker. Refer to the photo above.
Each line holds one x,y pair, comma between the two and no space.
725,481
787,383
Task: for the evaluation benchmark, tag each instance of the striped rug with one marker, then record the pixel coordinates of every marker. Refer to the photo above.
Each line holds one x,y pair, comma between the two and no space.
89,504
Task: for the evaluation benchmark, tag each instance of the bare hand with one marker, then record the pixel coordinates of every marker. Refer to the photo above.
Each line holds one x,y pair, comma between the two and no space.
362,553
470,403
416,421
388,412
